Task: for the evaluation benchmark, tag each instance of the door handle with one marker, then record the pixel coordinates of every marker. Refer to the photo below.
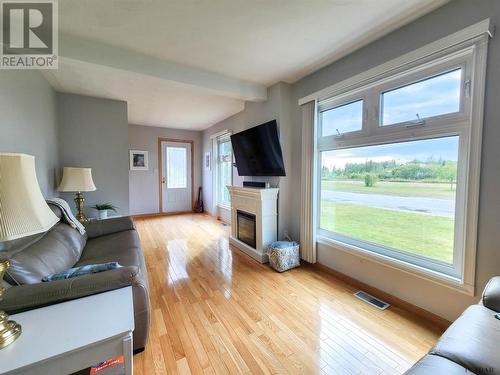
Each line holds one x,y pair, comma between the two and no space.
163,180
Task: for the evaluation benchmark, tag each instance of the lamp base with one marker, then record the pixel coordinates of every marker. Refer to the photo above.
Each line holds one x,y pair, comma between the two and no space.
79,207
9,330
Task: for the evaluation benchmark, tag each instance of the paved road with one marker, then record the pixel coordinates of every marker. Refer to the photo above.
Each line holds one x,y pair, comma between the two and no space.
432,206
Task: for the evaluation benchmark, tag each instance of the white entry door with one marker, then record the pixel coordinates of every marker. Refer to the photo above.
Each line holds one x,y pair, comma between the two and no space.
176,177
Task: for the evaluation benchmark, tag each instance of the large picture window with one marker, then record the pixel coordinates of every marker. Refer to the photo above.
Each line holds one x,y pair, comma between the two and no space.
397,197
395,161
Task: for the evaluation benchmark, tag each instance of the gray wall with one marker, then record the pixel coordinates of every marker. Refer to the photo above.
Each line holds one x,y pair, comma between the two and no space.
29,123
442,22
144,194
277,107
93,133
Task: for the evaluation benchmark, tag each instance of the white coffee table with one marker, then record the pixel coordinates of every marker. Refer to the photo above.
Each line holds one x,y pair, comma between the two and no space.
71,336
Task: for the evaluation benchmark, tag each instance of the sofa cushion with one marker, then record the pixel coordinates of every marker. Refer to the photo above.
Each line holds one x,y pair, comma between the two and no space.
122,247
99,228
433,364
472,341
59,249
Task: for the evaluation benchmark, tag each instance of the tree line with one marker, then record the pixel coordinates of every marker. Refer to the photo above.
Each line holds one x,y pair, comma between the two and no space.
416,170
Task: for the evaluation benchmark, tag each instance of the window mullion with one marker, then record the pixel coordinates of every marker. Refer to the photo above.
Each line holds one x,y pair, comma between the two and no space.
372,111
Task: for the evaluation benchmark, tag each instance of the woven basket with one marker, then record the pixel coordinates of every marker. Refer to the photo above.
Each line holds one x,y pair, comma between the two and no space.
283,255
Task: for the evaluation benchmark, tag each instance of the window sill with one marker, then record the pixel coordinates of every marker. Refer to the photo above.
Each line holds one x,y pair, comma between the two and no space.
224,206
414,270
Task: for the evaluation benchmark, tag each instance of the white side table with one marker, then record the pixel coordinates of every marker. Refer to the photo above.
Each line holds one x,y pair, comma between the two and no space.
71,336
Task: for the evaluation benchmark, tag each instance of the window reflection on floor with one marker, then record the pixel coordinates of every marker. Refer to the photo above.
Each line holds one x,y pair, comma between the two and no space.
345,345
177,260
225,264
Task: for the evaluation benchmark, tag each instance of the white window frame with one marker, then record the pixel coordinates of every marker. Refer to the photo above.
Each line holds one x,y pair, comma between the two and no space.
466,49
216,139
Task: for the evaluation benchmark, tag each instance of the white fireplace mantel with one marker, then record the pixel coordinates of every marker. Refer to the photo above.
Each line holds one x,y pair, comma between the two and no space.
263,203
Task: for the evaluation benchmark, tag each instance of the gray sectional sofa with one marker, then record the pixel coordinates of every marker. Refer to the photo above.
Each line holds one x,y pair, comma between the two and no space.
471,345
62,247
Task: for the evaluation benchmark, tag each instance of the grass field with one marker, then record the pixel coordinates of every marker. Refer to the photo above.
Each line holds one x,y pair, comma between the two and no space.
403,189
426,235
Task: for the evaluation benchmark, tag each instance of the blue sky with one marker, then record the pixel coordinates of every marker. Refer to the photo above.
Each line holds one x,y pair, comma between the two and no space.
434,96
346,118
403,152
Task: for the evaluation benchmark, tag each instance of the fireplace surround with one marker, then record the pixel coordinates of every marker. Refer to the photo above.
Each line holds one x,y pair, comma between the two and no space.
254,220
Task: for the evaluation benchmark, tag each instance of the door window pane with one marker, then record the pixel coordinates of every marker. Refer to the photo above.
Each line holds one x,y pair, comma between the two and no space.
433,96
398,196
224,171
176,168
343,119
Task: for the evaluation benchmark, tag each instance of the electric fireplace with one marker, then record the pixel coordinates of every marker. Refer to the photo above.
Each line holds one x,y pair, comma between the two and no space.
246,228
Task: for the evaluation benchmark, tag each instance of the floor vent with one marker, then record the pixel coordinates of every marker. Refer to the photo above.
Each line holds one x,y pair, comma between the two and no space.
378,303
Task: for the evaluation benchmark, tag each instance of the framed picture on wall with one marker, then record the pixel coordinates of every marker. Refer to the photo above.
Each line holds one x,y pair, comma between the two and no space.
208,161
138,160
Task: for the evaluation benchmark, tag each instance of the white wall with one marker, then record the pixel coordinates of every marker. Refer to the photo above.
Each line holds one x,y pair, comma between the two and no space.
277,107
144,189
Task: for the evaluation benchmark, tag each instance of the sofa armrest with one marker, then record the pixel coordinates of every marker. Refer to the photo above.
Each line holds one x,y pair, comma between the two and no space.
30,296
98,228
491,294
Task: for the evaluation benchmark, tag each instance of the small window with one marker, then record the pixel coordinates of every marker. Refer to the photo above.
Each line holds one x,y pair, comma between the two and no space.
176,168
224,171
342,119
438,95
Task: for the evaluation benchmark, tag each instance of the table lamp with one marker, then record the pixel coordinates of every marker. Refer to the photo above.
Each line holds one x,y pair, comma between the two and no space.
77,180
23,212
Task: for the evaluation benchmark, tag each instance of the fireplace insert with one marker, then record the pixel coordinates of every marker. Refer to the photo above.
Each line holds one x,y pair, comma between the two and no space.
246,228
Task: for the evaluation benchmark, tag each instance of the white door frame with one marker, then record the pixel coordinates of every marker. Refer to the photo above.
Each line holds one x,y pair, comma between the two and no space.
160,172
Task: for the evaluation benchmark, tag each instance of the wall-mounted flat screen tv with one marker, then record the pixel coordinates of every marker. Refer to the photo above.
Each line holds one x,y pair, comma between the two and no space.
257,151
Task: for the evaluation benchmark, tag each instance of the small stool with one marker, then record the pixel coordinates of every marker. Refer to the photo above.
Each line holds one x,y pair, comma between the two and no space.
283,255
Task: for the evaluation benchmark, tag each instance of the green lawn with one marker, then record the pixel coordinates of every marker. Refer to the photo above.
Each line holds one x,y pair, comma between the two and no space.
404,189
426,235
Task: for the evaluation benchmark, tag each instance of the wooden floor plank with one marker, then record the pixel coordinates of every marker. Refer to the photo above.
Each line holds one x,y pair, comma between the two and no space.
217,311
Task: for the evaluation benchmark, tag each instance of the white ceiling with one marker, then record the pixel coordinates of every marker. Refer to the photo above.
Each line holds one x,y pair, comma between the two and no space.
151,101
191,63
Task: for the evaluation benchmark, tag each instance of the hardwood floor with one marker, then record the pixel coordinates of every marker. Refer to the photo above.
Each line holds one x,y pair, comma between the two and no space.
217,311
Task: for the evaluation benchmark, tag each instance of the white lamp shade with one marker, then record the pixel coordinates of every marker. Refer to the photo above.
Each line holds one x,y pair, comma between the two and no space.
23,210
77,179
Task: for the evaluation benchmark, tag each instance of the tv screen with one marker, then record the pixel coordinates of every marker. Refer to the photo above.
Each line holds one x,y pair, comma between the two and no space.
257,151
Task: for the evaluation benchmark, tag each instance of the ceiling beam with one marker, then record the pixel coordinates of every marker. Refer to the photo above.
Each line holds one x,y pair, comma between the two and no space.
118,58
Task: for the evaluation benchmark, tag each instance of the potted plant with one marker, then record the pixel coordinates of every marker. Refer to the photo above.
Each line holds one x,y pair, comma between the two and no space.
103,209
